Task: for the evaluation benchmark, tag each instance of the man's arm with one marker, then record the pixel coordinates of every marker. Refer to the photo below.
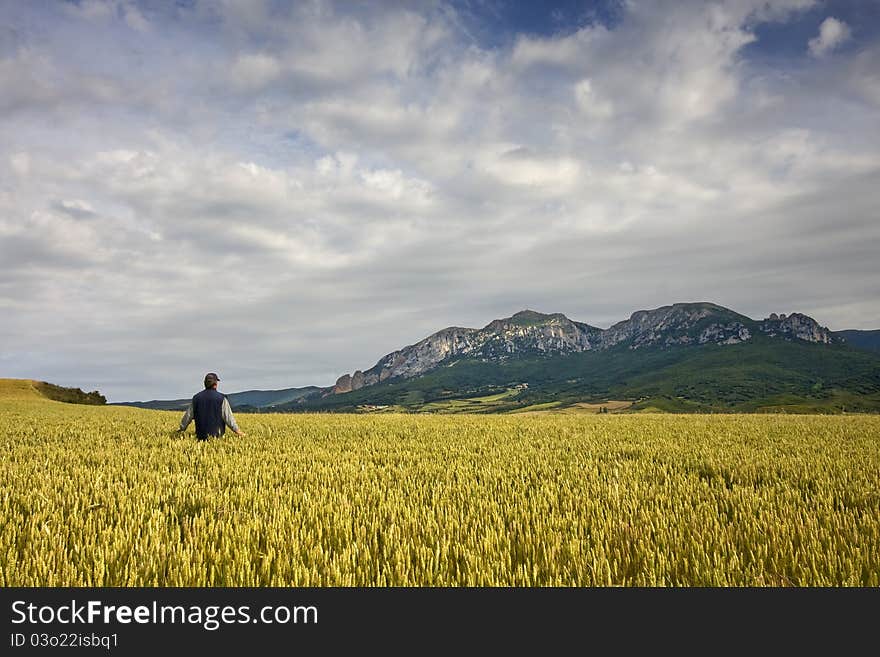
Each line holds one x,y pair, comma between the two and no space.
229,419
187,418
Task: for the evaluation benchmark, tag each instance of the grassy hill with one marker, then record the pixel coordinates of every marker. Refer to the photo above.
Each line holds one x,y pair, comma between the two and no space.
869,340
758,376
30,390
20,390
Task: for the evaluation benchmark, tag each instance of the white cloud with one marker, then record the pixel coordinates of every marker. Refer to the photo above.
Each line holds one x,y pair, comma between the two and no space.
512,164
76,208
20,163
91,10
592,104
555,51
135,19
832,33
253,71
26,79
864,75
393,185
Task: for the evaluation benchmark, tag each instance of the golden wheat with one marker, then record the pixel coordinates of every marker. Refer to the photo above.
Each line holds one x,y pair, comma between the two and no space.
110,497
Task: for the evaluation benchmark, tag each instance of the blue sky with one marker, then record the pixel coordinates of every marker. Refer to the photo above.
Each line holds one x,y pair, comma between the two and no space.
497,23
283,192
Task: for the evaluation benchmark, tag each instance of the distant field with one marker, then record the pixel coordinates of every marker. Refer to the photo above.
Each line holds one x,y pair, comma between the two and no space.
110,496
576,408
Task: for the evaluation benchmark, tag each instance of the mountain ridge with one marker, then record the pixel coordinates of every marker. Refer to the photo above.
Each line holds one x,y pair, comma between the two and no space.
697,356
862,339
529,331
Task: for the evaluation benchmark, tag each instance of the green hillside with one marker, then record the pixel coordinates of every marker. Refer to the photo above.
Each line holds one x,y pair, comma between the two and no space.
869,340
20,390
760,375
30,390
683,357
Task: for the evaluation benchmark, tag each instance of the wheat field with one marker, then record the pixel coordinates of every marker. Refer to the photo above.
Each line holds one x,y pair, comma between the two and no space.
111,496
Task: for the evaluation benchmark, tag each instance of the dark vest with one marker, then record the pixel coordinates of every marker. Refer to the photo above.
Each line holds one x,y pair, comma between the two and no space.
208,413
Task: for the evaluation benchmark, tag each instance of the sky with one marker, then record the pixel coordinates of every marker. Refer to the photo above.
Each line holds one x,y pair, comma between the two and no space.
285,192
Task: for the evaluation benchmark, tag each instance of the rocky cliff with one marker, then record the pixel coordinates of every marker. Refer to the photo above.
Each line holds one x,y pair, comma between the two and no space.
679,324
525,332
532,333
796,325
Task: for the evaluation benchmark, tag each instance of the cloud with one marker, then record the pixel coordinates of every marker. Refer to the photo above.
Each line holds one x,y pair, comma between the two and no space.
20,163
864,77
515,165
327,182
135,19
75,208
91,10
592,104
252,71
832,33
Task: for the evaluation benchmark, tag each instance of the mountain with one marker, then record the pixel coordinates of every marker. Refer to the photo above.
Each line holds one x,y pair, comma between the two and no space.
683,357
687,356
532,333
869,340
526,332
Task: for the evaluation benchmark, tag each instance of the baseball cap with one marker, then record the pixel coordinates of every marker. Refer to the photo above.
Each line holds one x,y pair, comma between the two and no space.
211,378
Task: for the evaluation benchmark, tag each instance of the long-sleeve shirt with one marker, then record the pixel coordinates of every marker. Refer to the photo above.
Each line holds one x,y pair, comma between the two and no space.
226,410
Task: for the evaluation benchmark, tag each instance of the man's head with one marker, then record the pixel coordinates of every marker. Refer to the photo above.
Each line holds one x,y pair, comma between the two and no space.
211,380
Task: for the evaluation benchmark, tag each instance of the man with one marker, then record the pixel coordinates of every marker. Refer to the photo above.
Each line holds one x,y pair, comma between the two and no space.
211,411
